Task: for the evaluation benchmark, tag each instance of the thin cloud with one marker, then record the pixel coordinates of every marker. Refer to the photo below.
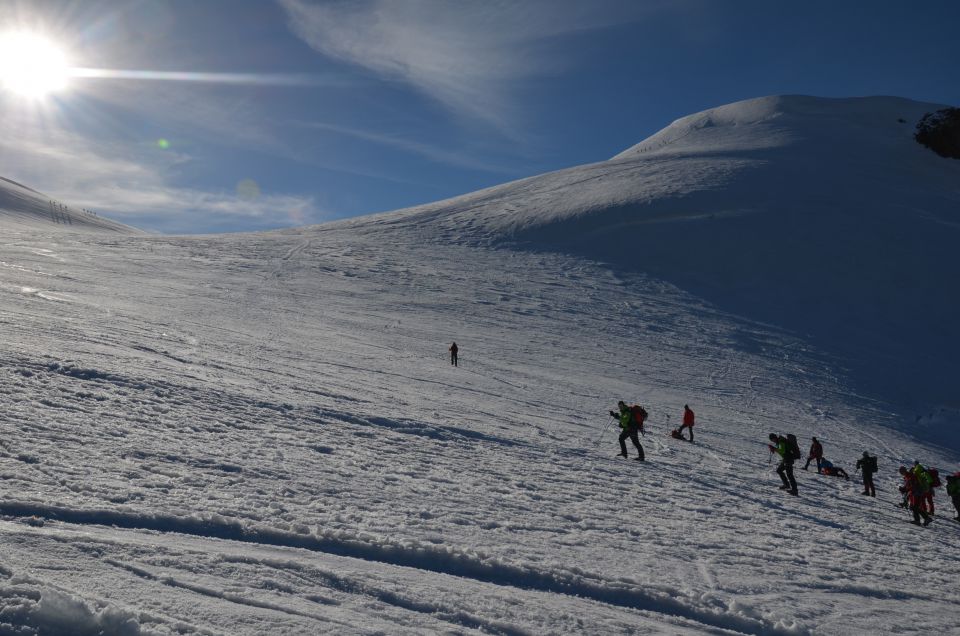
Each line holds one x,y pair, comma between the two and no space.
426,151
464,54
215,118
136,185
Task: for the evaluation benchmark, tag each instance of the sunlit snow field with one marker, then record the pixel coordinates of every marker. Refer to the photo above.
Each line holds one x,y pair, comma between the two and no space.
262,434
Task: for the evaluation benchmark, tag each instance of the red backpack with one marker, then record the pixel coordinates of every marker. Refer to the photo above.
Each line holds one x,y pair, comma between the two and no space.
638,415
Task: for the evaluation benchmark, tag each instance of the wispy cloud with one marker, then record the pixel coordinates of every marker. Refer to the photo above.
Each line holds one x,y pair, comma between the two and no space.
137,184
426,151
467,55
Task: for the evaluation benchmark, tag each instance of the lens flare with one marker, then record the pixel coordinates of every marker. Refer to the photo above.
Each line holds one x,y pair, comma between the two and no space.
248,189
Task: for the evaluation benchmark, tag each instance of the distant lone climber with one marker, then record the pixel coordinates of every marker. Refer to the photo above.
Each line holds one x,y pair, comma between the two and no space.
453,354
868,466
631,423
688,420
816,453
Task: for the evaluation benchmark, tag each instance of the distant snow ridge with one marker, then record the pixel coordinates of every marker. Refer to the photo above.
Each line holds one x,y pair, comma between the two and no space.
821,216
22,207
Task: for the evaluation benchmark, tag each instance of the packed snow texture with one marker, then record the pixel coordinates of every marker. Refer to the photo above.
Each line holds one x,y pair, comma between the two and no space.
263,433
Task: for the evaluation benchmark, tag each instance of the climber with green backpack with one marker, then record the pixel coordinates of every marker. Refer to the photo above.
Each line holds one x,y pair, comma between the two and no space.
631,420
789,451
928,478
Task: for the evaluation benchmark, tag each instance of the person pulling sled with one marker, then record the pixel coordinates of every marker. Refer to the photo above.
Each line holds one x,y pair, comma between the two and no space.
631,419
688,421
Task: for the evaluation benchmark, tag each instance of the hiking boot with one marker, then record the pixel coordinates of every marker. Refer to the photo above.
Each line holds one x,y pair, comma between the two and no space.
640,459
915,522
926,522
794,493
865,493
785,487
621,454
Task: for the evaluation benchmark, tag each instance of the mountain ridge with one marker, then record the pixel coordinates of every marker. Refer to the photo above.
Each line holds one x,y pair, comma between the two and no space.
23,207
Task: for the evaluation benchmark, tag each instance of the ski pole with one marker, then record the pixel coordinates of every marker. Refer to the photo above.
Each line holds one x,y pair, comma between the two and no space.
602,434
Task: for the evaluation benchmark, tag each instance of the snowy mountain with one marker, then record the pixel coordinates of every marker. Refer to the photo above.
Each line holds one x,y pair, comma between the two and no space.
820,216
263,433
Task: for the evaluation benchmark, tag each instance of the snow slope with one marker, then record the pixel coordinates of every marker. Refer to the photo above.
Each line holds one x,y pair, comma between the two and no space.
262,433
22,207
820,216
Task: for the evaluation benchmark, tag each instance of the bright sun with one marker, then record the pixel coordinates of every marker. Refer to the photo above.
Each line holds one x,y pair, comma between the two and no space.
31,65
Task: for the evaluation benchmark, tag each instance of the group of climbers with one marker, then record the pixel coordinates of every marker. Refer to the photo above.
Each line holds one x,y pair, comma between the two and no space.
919,481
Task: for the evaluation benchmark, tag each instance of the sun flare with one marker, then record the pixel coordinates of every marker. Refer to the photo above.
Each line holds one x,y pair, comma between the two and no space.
31,66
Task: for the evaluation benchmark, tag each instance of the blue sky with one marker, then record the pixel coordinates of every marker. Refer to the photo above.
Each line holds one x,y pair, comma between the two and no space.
301,111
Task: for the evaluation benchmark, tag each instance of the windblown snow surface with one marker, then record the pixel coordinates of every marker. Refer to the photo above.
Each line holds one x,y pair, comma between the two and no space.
262,433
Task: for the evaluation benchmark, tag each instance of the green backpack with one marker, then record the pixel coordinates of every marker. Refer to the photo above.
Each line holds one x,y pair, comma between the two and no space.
923,477
953,485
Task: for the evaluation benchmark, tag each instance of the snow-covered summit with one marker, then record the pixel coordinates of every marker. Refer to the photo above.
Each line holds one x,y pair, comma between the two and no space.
22,207
778,120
